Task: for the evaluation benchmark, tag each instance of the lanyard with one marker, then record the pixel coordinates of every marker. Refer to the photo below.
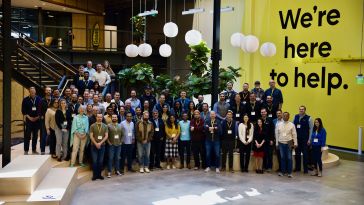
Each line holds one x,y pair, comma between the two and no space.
33,101
99,128
272,92
197,123
244,96
212,123
229,124
252,106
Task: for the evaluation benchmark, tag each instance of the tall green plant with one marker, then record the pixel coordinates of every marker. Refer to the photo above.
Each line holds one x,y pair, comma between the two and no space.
198,58
139,24
228,74
139,74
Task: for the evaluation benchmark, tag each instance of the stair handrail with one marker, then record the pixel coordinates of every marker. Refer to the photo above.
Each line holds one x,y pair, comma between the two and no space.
44,50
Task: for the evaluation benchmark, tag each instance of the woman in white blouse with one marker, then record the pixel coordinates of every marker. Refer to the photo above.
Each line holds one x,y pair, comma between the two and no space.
246,131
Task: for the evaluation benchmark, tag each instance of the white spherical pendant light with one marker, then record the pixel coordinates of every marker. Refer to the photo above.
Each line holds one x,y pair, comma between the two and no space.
268,49
165,50
236,39
170,29
131,50
145,50
250,44
193,37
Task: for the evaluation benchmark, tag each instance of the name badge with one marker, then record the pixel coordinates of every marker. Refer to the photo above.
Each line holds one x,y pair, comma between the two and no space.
157,129
237,115
65,123
315,140
230,131
173,135
258,99
244,102
99,137
80,78
252,113
116,136
284,134
298,126
228,100
129,134
34,109
270,115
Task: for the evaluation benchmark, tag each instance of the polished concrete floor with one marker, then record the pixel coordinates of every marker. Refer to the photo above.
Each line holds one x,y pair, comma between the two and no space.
339,185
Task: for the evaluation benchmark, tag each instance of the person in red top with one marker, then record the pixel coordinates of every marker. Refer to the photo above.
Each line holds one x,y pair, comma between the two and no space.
260,138
198,140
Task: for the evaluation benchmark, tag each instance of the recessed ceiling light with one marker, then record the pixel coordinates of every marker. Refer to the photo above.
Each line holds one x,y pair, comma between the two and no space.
43,4
64,8
36,6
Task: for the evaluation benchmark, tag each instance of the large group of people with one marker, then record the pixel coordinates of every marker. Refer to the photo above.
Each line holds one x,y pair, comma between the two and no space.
89,120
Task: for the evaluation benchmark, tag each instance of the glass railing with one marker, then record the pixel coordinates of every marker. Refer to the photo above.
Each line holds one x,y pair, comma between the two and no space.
68,38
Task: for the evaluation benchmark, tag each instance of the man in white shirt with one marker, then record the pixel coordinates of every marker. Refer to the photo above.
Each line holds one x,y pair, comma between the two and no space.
286,140
90,69
102,77
107,100
135,102
117,99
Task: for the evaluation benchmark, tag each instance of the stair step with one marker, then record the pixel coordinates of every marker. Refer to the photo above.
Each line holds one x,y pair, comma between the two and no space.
57,187
23,174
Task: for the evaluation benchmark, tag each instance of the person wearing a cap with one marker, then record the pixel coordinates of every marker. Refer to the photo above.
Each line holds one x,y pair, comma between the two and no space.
221,107
244,95
230,93
275,93
148,96
238,109
258,91
229,131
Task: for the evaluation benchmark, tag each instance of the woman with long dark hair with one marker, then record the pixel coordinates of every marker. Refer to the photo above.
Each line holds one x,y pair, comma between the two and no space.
165,113
172,134
177,110
246,131
318,142
191,110
260,138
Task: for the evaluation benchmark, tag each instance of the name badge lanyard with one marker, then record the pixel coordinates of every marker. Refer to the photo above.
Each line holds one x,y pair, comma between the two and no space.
212,125
253,107
244,96
33,101
99,129
115,128
229,125
65,118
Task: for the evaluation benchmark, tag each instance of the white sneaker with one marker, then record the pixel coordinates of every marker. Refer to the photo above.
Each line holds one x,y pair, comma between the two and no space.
146,170
168,167
141,170
207,169
108,175
118,173
173,167
217,170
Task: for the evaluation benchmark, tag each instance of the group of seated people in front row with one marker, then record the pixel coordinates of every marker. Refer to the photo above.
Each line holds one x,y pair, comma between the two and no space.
91,127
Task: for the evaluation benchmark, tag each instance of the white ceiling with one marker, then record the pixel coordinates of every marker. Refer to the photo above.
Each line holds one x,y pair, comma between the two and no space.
45,6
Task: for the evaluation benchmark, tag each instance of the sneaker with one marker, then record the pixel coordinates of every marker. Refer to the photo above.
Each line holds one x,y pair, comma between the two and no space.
196,168
35,152
182,166
173,167
268,170
314,173
82,165
146,170
118,173
217,170
232,171
207,169
141,170
26,153
168,167
290,176
101,177
280,174
108,175
94,178
319,174
42,153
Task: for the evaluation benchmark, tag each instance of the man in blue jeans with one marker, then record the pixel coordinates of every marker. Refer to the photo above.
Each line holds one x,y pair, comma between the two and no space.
286,140
144,132
128,142
116,133
98,136
212,128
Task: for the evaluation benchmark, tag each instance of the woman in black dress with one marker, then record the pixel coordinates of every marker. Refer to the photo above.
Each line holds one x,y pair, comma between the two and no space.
260,136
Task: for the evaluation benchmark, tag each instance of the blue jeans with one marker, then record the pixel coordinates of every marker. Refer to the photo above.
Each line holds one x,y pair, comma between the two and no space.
286,158
316,155
97,159
215,145
143,154
114,157
126,152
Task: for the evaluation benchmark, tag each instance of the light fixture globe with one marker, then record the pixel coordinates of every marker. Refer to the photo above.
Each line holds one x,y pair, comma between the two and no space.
131,50
250,44
236,39
145,50
193,37
268,49
165,50
170,29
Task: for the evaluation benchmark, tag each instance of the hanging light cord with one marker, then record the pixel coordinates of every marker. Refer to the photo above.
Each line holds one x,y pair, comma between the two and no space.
361,43
165,18
170,11
132,21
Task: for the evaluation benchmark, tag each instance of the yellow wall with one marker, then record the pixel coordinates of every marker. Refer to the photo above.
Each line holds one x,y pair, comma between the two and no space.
342,111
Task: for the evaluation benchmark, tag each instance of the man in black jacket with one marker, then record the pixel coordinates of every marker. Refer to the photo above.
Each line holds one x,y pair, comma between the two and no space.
158,139
228,134
270,141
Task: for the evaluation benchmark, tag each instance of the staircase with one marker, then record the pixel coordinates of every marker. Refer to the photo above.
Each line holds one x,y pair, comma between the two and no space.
35,65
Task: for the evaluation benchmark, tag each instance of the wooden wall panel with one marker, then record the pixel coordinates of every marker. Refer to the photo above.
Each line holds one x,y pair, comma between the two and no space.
79,31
